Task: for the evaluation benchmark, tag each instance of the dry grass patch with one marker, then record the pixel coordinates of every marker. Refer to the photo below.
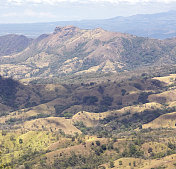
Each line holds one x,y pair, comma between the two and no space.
136,163
169,80
50,124
23,114
140,108
164,97
89,119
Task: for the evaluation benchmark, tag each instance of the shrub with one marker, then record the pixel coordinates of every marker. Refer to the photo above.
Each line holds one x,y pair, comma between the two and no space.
106,101
120,163
67,115
150,150
103,147
156,83
90,100
111,164
20,141
132,149
172,146
119,102
97,143
101,89
123,91
143,97
137,86
134,163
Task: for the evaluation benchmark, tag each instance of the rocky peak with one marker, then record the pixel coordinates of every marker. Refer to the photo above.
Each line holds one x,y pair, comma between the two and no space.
65,29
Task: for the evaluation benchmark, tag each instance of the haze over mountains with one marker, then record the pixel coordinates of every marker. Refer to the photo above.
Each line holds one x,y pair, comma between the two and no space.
160,25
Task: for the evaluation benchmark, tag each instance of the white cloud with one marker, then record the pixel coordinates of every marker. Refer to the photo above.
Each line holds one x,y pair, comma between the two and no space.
30,13
86,1
10,14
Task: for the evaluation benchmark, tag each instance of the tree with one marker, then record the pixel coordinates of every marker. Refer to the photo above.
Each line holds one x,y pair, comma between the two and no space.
132,149
98,143
143,97
103,147
134,163
4,133
100,89
137,86
20,141
111,164
90,100
106,101
150,150
123,91
120,163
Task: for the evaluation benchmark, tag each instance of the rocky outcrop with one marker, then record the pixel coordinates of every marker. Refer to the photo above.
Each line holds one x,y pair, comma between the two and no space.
65,29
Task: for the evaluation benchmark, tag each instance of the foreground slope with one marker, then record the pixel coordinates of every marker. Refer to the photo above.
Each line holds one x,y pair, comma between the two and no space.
93,125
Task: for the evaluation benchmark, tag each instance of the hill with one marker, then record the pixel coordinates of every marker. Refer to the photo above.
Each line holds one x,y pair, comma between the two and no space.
15,95
167,162
167,120
131,102
12,44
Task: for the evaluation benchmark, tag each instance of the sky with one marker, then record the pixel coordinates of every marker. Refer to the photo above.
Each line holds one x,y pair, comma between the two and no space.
31,11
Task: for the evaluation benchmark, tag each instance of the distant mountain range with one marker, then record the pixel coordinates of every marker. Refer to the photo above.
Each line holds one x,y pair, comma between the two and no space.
70,50
160,25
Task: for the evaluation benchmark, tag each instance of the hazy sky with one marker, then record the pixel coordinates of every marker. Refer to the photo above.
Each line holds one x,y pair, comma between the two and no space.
20,11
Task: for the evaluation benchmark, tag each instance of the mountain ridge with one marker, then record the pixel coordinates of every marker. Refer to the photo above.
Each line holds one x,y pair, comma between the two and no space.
71,50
